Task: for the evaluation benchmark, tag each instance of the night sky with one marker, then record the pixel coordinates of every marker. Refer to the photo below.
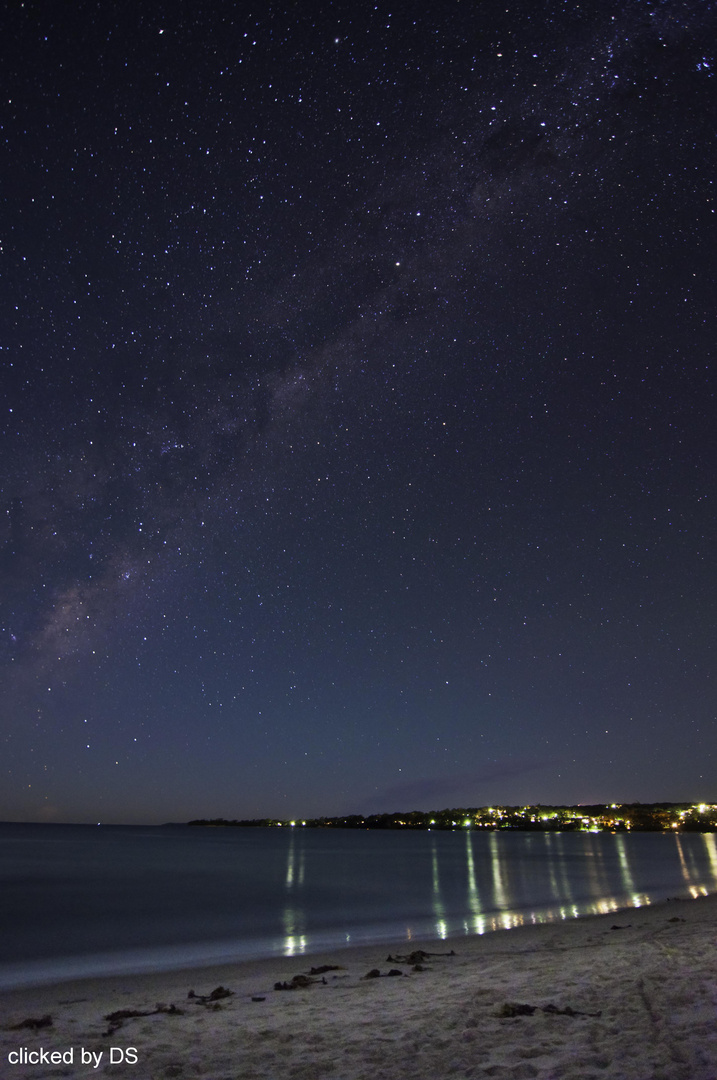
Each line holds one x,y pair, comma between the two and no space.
357,412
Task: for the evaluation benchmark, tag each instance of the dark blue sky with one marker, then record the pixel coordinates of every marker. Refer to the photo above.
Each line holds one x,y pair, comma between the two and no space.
357,414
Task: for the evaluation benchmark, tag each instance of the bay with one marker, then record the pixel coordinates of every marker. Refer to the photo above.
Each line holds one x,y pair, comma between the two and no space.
80,900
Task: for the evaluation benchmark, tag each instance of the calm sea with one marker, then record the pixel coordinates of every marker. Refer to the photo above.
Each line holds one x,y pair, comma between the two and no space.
81,899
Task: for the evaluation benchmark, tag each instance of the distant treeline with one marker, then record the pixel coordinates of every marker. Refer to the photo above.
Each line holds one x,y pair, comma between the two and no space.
635,817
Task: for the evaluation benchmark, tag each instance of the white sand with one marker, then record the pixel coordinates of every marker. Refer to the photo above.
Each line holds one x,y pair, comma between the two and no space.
654,983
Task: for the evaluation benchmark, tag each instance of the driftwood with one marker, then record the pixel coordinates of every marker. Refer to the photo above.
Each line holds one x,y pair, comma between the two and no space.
374,973
33,1022
299,982
513,1008
416,957
118,1018
216,995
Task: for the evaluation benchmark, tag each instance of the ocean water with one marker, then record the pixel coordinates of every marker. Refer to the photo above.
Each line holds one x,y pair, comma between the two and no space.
81,900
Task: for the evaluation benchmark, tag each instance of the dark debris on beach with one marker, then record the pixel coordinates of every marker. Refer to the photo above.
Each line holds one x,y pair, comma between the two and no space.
511,1009
33,1023
117,1019
218,994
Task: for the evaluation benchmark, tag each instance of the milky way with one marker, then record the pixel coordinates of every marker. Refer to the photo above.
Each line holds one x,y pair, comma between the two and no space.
357,408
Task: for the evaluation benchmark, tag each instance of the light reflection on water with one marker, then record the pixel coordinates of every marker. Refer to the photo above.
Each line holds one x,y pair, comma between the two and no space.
572,875
711,845
436,902
624,864
496,865
293,917
474,905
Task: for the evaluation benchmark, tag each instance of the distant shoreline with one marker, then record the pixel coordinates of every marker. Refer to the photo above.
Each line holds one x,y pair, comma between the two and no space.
596,817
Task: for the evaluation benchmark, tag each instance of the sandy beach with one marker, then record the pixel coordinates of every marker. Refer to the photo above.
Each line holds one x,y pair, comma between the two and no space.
631,994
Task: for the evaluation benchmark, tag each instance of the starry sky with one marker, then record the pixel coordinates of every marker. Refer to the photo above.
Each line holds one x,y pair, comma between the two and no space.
357,409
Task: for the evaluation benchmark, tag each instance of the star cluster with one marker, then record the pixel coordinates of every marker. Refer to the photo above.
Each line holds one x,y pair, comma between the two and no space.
356,411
